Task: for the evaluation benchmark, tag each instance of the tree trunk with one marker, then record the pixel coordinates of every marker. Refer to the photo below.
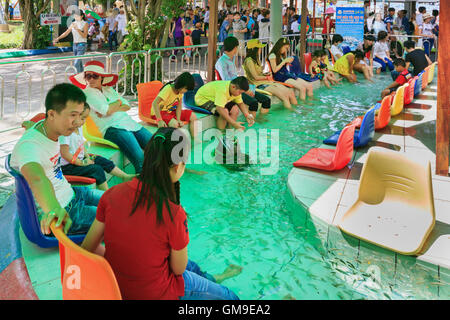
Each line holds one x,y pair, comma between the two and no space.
166,33
26,9
6,10
303,33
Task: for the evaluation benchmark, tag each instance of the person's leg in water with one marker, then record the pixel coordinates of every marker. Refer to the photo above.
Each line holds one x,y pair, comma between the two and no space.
233,111
200,285
282,94
252,103
265,103
299,86
361,68
326,83
308,85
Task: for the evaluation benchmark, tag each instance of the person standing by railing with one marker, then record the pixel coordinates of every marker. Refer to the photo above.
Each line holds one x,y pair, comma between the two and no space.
112,29
328,24
177,31
79,29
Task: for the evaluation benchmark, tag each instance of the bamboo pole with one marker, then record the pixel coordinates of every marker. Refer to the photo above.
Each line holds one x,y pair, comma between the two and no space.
212,39
443,92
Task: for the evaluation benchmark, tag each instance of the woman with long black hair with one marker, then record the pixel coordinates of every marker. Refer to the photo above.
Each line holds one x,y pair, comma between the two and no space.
145,230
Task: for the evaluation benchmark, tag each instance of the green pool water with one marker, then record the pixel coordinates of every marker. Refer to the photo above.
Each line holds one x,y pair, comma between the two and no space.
251,220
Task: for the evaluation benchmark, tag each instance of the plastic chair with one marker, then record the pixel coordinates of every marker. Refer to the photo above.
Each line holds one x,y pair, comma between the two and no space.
96,279
361,136
91,133
189,102
79,180
147,93
330,159
382,118
218,77
431,73
418,84
198,81
28,217
409,92
398,102
395,206
308,60
425,77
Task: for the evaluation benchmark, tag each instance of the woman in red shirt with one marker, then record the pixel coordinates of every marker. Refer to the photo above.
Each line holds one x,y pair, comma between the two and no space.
145,230
328,24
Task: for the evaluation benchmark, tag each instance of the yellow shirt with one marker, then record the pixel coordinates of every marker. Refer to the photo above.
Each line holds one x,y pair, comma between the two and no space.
169,98
218,92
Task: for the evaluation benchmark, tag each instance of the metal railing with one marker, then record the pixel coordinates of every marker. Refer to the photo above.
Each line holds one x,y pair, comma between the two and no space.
163,64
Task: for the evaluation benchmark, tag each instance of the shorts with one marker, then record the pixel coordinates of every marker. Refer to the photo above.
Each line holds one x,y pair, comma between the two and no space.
393,89
166,116
211,106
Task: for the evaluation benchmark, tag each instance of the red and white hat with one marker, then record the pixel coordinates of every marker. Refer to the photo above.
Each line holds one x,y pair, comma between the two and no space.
96,67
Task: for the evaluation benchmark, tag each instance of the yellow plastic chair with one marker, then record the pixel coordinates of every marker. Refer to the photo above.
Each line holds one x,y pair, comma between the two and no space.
425,77
398,102
91,133
395,206
431,72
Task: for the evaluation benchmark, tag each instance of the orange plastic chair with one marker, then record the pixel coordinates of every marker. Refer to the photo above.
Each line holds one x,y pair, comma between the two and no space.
84,275
330,159
91,133
382,118
147,93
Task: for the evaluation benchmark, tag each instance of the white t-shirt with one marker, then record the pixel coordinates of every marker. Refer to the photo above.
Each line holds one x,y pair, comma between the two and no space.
419,19
427,29
122,23
77,38
99,102
207,17
336,52
33,146
111,20
74,141
379,49
260,16
295,27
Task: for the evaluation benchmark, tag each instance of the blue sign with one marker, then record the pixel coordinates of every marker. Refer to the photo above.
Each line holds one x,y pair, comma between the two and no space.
350,23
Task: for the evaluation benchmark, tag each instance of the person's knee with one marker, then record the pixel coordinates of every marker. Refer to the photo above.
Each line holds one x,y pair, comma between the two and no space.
234,112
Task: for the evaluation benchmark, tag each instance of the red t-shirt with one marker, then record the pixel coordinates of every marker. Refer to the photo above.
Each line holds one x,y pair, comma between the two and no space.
137,248
403,77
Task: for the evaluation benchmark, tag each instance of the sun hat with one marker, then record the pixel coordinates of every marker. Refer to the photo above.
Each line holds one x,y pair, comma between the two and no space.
254,43
427,16
330,10
96,67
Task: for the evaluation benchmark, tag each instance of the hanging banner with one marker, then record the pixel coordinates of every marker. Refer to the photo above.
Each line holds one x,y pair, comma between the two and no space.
350,23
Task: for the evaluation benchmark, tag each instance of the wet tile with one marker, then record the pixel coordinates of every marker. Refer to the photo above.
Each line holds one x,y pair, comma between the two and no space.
342,245
441,189
442,209
340,212
50,290
326,204
349,194
444,286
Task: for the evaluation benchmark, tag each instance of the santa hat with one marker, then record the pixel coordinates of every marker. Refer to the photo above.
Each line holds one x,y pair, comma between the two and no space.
96,67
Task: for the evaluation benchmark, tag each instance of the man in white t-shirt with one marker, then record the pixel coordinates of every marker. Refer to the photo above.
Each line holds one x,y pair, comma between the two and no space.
37,157
121,21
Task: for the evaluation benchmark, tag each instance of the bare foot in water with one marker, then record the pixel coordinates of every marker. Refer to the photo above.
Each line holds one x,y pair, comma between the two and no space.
231,271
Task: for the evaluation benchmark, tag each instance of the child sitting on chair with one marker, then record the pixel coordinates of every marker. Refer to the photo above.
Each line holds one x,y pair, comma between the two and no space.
167,106
76,162
317,69
403,77
326,67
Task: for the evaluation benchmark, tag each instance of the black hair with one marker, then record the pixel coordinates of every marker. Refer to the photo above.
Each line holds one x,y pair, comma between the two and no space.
318,53
241,83
358,54
399,62
391,9
382,35
277,47
253,54
435,13
422,9
154,182
369,38
230,43
409,44
184,80
86,106
337,38
58,96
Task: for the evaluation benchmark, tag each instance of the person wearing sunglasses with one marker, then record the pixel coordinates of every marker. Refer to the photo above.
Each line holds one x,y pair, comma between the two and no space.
110,112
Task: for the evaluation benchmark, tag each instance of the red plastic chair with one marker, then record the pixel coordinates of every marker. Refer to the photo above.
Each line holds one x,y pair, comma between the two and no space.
217,75
308,60
382,118
78,180
409,91
84,275
330,159
147,93
425,77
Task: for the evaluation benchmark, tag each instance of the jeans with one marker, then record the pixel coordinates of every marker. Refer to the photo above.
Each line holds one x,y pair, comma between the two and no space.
199,285
112,37
83,208
385,63
131,143
96,170
78,50
428,45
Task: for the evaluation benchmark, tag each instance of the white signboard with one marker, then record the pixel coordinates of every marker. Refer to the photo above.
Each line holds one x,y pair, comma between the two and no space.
50,18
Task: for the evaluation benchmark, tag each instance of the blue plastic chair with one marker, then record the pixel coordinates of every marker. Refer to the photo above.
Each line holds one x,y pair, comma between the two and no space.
188,98
198,81
363,135
346,49
28,214
418,85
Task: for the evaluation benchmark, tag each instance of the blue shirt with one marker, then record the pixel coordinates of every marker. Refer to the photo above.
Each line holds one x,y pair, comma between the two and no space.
389,19
223,33
227,69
